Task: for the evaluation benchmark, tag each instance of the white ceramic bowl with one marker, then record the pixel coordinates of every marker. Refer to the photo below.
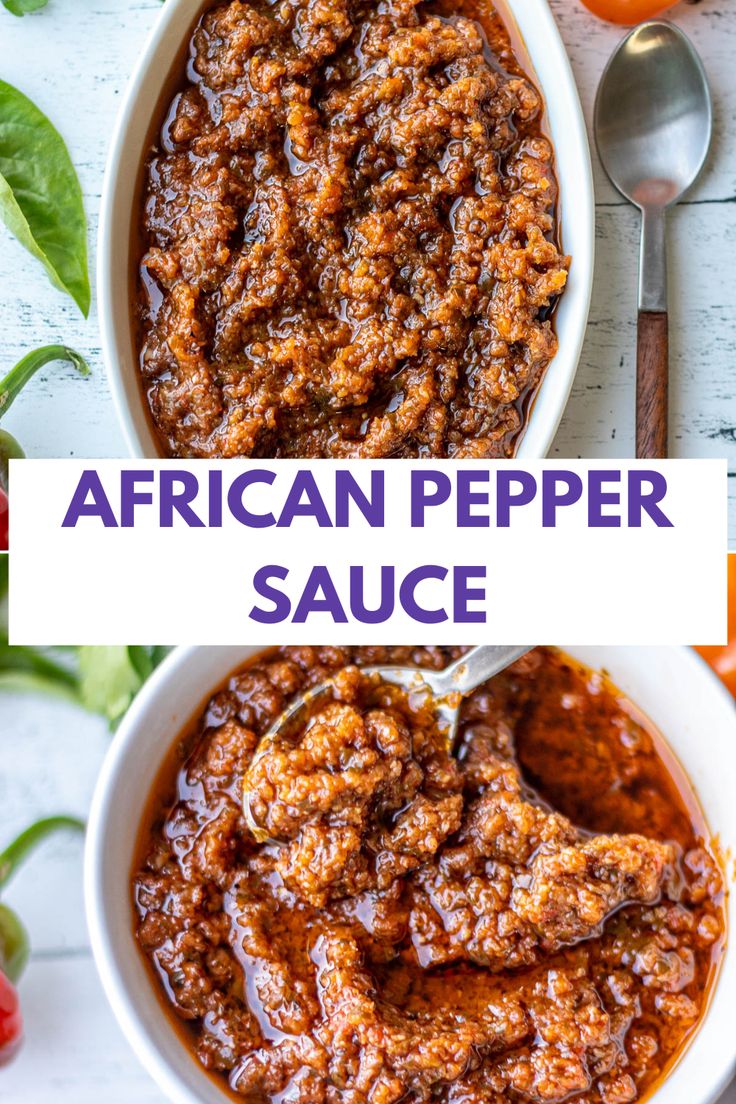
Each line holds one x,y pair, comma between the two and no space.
553,76
672,685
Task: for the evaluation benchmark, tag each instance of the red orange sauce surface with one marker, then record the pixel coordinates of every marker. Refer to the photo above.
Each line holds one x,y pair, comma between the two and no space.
430,926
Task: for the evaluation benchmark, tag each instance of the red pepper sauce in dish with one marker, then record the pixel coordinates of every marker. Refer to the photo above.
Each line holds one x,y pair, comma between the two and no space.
349,235
538,915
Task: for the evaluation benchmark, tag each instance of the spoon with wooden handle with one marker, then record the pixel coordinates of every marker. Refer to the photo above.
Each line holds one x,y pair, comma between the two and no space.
653,126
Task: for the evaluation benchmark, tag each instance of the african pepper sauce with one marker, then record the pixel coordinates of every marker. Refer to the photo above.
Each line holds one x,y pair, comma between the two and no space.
349,235
537,916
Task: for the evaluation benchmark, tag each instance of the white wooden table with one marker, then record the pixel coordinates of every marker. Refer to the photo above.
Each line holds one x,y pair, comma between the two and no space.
73,60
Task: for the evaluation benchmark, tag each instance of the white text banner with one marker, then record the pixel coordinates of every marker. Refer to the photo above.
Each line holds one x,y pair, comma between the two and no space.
199,552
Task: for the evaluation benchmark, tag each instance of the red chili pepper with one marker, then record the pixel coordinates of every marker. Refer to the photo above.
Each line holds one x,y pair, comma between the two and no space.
11,1021
13,936
3,521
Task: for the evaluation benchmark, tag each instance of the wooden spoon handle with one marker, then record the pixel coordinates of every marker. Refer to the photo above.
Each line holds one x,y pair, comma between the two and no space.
652,370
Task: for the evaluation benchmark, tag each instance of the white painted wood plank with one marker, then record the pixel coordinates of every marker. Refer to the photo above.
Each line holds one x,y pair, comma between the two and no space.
50,754
74,1052
702,239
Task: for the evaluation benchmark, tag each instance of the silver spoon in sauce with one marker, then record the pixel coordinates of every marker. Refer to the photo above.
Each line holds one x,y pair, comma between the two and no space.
653,125
446,687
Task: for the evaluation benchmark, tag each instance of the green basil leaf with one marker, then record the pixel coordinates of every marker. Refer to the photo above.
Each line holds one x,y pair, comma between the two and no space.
108,680
19,657
24,7
159,653
30,682
40,196
141,659
18,377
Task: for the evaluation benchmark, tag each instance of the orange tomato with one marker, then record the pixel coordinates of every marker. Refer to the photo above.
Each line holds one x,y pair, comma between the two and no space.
722,658
628,11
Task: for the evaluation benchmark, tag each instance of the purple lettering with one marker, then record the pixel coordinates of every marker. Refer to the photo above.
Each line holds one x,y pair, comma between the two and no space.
407,594
173,501
262,586
358,607
506,498
304,484
89,484
598,498
319,596
639,499
348,489
130,497
552,497
466,497
215,499
463,594
422,495
237,507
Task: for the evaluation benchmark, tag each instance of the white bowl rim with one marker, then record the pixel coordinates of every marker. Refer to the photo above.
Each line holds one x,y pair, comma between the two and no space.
533,18
712,1078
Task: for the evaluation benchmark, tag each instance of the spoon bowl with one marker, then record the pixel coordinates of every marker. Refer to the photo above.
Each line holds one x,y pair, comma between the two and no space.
653,115
446,688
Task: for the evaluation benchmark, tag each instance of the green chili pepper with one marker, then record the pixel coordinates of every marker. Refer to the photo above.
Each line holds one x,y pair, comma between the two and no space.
14,382
19,376
15,853
9,450
14,946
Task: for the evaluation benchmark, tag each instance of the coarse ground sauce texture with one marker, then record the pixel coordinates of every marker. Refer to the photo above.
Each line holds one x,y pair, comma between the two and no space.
534,917
349,234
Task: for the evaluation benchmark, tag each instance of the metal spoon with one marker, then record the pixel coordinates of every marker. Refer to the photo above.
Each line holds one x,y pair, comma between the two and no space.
447,688
653,125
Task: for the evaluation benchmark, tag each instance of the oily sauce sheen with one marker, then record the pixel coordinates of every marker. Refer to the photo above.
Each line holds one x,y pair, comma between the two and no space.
538,917
349,235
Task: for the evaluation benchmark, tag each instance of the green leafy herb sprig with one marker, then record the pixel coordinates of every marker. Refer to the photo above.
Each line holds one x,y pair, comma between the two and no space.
24,7
102,679
40,195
